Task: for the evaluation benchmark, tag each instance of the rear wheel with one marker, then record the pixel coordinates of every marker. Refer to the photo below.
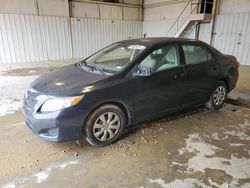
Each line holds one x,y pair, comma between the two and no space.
218,96
105,125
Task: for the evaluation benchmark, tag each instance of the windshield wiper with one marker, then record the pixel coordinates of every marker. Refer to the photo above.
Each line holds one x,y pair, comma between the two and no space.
96,68
92,66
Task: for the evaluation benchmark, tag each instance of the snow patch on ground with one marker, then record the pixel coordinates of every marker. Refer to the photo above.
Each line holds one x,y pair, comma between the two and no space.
195,145
240,131
193,183
240,134
215,136
10,185
185,183
39,176
236,144
205,157
64,165
12,92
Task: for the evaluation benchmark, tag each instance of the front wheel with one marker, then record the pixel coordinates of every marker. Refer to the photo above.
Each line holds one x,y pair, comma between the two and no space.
105,125
218,96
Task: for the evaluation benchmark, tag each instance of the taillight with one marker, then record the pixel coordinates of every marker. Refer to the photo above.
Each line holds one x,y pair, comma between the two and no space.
237,64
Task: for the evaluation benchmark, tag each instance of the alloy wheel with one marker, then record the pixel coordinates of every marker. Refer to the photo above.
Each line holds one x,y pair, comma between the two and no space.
219,95
106,126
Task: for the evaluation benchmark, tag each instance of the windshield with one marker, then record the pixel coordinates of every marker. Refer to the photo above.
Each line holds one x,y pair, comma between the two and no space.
115,57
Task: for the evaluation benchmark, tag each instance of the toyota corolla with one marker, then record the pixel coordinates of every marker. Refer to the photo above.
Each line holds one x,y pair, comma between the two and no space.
127,83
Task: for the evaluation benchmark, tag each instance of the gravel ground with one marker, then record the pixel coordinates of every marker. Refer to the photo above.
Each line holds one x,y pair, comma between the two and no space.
198,148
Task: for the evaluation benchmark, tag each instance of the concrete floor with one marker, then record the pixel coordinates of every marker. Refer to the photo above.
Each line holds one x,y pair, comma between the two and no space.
196,148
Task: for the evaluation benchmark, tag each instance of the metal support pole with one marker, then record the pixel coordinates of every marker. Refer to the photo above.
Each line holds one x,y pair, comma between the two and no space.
37,7
205,6
68,14
215,4
197,31
141,10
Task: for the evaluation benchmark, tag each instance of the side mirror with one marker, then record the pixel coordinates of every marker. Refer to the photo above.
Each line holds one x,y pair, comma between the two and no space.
143,71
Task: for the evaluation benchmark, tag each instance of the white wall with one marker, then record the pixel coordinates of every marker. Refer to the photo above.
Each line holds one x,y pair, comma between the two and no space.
165,11
88,10
131,13
231,35
33,7
135,2
205,29
234,6
160,15
90,35
27,38
18,6
102,11
79,9
52,8
33,38
38,30
232,25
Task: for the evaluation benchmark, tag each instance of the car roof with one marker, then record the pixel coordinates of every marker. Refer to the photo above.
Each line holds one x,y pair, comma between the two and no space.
157,40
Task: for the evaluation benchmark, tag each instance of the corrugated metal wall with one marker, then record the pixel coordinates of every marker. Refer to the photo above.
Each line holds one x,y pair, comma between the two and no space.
232,35
26,38
157,28
92,34
160,28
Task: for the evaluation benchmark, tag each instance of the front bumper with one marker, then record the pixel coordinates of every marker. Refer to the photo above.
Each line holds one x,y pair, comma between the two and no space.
58,126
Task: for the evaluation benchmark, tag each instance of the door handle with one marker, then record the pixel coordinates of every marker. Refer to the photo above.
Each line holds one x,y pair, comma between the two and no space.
179,75
214,67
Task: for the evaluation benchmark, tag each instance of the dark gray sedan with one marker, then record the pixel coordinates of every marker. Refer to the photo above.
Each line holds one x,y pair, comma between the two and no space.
124,84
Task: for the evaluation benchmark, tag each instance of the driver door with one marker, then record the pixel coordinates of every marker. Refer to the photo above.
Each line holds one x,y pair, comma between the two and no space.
164,90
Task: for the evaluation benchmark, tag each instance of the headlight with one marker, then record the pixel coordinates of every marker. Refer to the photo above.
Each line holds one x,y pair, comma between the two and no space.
55,104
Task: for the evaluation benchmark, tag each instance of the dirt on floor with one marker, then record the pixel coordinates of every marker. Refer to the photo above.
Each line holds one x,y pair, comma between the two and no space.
27,71
199,148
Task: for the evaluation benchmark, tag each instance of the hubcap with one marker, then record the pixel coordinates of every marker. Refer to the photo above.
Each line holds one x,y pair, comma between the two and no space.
106,126
219,95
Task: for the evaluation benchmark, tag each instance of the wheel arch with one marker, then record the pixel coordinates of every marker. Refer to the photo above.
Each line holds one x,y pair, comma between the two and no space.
119,104
224,79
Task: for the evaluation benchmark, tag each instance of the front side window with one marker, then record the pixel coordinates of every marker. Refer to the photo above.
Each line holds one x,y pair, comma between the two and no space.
115,57
162,58
196,54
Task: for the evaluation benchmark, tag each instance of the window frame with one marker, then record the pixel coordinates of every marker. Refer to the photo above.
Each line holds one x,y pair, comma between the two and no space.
204,47
179,58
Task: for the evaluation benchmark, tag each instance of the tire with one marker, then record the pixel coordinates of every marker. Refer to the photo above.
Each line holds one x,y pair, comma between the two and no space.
218,96
104,121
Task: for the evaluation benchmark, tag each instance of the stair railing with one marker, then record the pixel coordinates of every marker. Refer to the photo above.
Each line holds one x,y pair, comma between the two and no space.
195,5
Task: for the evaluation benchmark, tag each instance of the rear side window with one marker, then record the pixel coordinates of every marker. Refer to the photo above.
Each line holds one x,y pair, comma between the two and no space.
196,54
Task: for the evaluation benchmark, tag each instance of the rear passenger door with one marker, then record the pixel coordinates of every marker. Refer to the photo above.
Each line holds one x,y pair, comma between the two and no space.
201,72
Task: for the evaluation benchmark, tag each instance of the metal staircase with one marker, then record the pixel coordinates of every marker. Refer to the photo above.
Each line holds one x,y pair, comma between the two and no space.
187,21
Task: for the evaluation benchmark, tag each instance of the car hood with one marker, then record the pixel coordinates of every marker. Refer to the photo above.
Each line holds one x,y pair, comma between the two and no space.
67,81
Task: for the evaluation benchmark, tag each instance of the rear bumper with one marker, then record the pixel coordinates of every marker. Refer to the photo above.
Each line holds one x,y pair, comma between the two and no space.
58,126
233,78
